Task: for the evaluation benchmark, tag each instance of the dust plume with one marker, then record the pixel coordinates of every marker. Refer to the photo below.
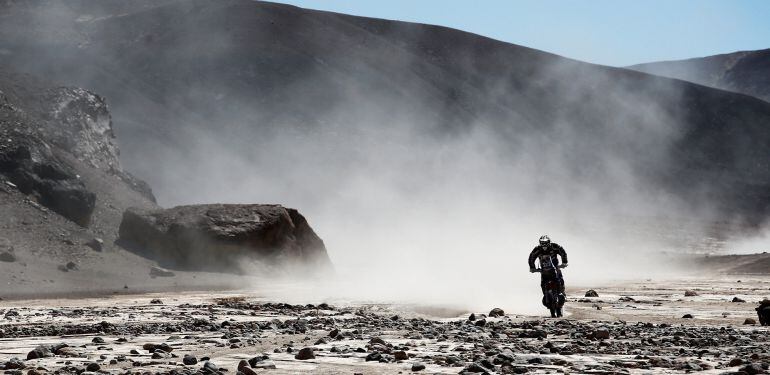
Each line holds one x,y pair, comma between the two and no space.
429,160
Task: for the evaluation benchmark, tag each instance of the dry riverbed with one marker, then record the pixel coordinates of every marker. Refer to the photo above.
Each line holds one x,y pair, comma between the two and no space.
636,327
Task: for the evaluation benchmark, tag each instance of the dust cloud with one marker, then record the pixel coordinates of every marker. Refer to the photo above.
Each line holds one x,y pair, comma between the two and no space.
414,203
412,216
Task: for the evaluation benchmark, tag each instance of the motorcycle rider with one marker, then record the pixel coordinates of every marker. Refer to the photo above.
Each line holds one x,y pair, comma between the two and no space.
547,253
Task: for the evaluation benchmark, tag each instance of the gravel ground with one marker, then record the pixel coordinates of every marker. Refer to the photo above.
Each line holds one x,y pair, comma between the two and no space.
637,327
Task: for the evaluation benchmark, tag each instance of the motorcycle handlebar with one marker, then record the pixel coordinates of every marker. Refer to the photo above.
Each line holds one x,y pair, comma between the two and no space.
562,266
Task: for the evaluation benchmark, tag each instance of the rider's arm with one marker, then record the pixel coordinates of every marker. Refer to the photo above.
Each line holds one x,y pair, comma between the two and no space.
562,253
532,257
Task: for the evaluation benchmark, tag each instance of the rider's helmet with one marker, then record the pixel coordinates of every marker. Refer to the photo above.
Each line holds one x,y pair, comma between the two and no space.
545,240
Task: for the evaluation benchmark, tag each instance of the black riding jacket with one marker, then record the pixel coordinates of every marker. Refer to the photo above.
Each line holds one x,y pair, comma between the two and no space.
549,260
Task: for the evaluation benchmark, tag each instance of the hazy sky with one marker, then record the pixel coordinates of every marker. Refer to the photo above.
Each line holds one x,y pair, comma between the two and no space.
610,32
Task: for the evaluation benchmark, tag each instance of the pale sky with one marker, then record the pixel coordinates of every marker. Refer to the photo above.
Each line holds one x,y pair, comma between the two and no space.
609,32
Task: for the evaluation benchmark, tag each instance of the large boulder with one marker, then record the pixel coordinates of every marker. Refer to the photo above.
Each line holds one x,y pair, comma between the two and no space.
223,237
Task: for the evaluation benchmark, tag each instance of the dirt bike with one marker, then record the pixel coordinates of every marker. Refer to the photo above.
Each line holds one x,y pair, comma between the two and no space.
552,299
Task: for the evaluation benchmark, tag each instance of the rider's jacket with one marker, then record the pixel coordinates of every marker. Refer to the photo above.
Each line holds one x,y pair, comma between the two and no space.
548,257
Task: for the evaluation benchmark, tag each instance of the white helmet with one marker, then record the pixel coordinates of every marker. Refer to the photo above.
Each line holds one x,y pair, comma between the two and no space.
545,240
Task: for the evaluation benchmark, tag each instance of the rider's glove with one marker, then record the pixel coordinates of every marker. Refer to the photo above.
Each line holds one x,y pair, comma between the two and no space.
563,265
532,270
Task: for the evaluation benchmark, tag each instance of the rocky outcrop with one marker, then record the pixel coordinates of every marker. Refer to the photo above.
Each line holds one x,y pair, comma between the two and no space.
30,165
223,237
78,121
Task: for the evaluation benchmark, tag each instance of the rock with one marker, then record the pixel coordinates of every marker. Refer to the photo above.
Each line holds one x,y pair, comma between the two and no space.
221,236
400,355
592,293
160,272
262,362
156,301
247,371
735,362
15,364
67,352
93,367
377,340
472,317
749,321
266,364
418,366
97,244
97,340
189,360
496,313
46,178
40,351
305,353
763,312
690,293
752,369
334,332
480,323
210,367
687,316
374,356
71,266
7,257
475,368
738,300
602,334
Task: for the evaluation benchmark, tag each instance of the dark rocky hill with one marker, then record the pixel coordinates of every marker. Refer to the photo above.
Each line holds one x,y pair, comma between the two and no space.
242,100
746,72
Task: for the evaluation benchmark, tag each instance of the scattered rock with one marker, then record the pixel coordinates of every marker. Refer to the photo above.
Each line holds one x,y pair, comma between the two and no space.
496,313
738,300
7,257
71,266
265,364
592,293
156,301
93,367
262,362
687,316
400,355
97,244
763,312
735,362
749,321
690,293
15,364
189,360
472,317
418,366
40,351
305,353
209,367
602,334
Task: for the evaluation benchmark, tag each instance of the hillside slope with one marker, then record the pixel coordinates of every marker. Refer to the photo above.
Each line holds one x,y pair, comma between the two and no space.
746,72
254,101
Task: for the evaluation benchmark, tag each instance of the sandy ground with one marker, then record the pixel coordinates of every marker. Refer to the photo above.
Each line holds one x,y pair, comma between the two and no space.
643,320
